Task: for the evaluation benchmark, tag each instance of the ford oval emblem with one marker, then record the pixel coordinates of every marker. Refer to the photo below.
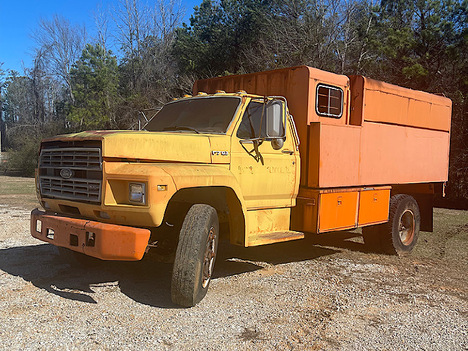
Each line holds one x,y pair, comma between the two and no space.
66,173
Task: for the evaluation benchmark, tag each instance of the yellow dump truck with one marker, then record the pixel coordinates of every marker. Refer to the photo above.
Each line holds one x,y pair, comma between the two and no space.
232,160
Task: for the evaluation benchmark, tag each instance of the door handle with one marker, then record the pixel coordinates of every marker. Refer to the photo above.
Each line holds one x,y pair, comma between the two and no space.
286,151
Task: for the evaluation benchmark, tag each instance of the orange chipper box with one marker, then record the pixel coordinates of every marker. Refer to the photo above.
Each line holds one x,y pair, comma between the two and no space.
355,134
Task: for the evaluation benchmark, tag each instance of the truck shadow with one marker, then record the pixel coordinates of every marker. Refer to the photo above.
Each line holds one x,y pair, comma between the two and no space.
233,260
145,282
148,282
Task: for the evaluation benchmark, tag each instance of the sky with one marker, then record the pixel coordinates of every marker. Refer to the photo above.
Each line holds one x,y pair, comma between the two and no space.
19,19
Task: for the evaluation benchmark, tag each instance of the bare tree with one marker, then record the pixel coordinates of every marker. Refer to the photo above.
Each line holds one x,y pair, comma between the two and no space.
131,19
61,44
354,24
296,32
158,63
167,16
37,76
101,21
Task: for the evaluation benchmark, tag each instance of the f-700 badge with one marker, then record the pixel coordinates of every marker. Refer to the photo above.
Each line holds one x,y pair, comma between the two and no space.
220,153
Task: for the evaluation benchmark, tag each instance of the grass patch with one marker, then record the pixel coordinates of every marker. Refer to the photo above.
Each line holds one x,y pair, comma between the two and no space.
446,218
18,192
449,240
17,186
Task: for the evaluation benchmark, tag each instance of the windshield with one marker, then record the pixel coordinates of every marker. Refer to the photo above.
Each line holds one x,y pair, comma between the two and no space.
199,115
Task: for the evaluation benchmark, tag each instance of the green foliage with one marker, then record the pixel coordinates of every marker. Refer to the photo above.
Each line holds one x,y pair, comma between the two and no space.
23,160
24,141
416,71
94,83
17,104
218,32
416,40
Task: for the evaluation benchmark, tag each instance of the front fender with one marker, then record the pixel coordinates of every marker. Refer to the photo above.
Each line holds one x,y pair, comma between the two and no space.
173,176
187,176
160,188
198,177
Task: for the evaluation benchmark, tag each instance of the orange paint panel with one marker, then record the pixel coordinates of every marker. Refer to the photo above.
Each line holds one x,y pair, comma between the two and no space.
442,110
375,154
311,157
339,156
304,214
388,103
373,206
397,155
112,242
333,155
356,100
338,211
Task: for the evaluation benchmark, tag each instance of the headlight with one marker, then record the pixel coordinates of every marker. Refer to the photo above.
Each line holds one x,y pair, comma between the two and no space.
137,193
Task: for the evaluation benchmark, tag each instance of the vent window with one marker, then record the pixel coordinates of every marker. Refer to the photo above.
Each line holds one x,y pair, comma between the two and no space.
329,101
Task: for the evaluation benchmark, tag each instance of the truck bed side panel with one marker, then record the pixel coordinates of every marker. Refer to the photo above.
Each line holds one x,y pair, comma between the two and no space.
375,154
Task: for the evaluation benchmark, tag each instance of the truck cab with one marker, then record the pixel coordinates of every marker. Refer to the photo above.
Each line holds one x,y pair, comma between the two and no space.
115,195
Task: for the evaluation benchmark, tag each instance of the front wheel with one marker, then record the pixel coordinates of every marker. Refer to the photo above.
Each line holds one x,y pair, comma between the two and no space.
195,256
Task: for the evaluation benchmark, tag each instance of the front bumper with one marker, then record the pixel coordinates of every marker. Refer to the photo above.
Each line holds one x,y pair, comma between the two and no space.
100,240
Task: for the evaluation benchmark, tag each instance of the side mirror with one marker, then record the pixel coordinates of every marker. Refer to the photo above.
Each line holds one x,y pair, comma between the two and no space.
275,123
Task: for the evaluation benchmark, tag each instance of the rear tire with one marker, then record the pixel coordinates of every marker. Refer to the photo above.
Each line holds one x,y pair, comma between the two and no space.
195,255
399,235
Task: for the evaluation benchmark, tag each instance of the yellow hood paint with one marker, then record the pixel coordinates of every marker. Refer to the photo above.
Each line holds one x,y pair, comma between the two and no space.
158,146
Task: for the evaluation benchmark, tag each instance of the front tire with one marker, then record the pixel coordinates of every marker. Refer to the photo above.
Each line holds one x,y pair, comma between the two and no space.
195,255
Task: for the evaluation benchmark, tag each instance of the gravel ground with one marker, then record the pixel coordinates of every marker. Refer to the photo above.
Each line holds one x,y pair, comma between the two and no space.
322,293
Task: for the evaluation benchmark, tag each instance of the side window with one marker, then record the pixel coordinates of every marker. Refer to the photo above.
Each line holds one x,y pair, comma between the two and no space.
329,101
250,128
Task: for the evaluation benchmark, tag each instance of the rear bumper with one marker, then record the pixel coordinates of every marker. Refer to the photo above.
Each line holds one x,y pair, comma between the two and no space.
101,240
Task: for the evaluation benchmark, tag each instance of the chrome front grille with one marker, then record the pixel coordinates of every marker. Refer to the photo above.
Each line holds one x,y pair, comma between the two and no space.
73,158
71,189
71,173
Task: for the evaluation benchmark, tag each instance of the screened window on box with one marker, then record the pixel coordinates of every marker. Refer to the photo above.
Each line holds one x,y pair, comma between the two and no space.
329,101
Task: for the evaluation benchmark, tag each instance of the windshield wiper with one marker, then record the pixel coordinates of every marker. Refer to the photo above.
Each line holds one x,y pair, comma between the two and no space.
181,128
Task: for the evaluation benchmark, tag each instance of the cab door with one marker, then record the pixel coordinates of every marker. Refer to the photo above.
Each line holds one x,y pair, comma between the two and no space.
268,175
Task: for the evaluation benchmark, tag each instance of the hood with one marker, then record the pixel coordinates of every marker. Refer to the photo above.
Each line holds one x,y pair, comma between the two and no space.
157,146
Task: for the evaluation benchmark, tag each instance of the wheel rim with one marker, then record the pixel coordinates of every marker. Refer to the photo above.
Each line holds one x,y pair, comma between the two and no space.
209,258
406,227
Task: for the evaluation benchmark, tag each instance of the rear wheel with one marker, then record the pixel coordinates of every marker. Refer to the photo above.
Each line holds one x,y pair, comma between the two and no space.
404,222
400,234
195,256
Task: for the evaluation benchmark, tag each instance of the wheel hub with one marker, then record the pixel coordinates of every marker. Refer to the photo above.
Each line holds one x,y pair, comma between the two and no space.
209,258
406,227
